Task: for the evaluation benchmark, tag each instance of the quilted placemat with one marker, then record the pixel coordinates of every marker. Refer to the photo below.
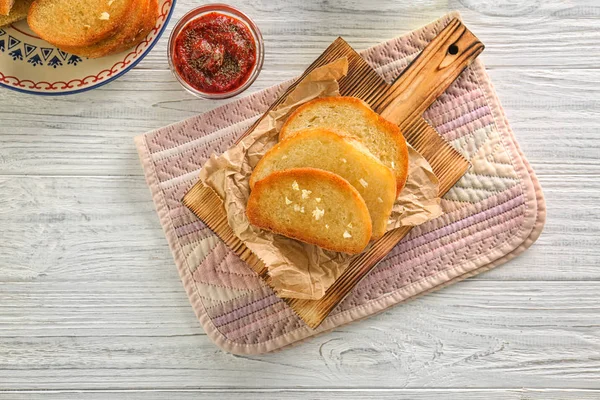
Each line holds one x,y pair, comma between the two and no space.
492,214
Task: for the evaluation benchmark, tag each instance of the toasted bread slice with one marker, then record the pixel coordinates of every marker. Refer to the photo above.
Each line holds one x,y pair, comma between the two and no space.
139,24
78,22
323,149
313,206
353,117
17,13
6,6
148,24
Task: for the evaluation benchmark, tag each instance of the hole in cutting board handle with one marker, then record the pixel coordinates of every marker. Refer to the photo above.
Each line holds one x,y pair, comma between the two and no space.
453,49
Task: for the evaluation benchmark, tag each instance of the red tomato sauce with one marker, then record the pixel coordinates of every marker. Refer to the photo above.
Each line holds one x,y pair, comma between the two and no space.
215,53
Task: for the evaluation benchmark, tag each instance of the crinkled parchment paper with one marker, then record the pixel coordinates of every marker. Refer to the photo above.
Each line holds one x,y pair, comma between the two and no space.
298,269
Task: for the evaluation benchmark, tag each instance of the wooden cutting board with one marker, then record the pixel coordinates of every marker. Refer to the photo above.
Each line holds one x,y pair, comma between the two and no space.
403,102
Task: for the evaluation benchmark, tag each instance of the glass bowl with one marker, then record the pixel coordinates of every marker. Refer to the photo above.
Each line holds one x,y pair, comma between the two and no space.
232,12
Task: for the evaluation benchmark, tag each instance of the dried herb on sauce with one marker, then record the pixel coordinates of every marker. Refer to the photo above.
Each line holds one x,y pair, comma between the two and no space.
215,53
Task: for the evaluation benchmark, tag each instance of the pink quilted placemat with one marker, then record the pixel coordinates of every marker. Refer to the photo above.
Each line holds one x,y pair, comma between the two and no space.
492,214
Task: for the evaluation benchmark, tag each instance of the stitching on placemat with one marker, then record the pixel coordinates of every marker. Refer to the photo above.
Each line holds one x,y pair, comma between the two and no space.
452,233
502,140
223,302
362,306
413,283
470,135
251,313
385,269
426,278
464,115
396,69
252,302
270,335
454,251
501,163
195,120
191,223
260,319
183,180
277,88
202,136
284,308
399,254
480,211
217,269
221,271
189,233
463,201
510,178
189,271
444,236
456,107
492,192
194,245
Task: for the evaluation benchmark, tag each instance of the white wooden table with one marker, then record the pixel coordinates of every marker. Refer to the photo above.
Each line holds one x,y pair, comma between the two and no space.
91,306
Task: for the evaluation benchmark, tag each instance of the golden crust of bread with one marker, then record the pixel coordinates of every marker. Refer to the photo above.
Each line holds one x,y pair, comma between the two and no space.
6,6
324,149
392,132
136,29
77,22
17,13
313,206
149,23
103,47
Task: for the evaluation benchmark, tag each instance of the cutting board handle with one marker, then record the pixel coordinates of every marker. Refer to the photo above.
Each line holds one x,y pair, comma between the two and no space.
430,74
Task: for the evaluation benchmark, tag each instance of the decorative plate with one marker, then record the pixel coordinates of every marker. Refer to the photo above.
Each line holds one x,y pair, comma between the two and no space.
31,65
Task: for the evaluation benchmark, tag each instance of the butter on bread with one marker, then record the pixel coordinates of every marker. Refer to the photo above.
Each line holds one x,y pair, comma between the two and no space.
324,149
17,12
313,206
78,22
353,117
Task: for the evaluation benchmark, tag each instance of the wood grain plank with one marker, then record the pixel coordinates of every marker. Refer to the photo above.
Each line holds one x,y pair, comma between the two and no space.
383,394
80,228
90,284
554,115
473,334
557,33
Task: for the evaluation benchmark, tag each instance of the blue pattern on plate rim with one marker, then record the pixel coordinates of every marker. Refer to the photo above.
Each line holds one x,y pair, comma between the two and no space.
35,55
104,81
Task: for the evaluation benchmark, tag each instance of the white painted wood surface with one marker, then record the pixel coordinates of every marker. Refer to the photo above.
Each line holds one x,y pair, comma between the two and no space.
91,306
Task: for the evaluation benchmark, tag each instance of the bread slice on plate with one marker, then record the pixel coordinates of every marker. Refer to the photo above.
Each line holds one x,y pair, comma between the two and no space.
147,25
139,24
6,6
323,149
353,117
313,206
78,22
17,13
